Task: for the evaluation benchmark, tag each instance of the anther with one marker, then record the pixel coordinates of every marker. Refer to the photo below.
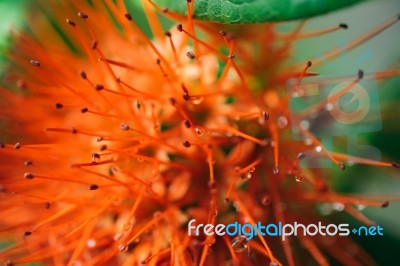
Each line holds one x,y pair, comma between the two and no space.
99,87
190,54
59,105
84,110
231,56
222,33
360,74
343,26
124,126
83,74
265,115
179,27
168,34
186,144
74,130
395,165
186,96
82,15
300,156
309,63
165,10
70,22
95,157
17,146
99,139
103,147
28,162
342,166
187,123
94,187
385,204
28,176
94,44
47,205
158,61
27,233
173,101
128,16
2,145
35,63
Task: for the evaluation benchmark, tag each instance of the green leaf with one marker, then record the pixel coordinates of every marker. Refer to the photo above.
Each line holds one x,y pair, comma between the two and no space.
255,11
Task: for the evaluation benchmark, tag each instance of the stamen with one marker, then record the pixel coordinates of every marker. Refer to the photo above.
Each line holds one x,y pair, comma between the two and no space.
82,15
35,63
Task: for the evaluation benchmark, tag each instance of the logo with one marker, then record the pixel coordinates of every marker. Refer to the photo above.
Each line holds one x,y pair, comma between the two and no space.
339,105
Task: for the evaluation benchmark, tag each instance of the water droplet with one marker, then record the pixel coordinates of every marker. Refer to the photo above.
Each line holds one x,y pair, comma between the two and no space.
273,263
265,142
329,106
215,212
338,206
318,149
239,244
76,263
199,131
140,159
252,169
282,122
266,200
308,141
123,248
325,209
154,171
360,207
275,170
117,236
197,100
248,175
91,243
236,206
304,124
299,177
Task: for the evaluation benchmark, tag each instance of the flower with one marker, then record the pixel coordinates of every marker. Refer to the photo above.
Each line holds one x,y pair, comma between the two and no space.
114,140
